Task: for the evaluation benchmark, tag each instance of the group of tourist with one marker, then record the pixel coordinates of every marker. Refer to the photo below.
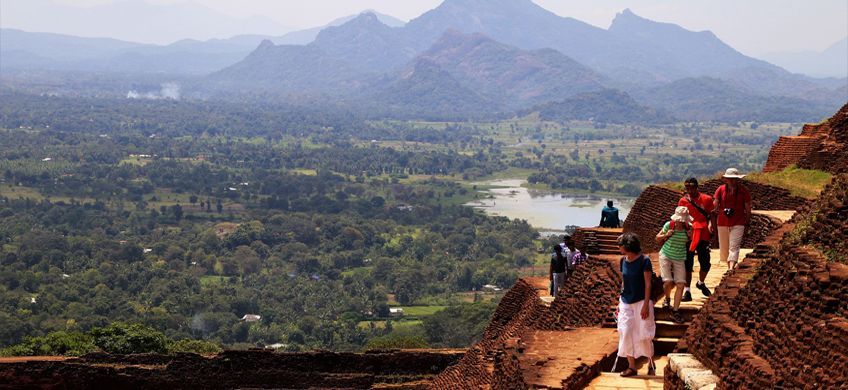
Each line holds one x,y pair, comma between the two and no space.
687,234
564,261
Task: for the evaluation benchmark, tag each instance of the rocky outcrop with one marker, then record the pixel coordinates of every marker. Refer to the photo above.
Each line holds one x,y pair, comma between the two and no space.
233,369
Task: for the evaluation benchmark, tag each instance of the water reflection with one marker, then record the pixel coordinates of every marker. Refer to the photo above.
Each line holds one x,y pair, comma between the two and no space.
546,210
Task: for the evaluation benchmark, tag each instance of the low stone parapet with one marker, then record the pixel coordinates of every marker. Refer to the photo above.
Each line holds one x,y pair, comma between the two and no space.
685,371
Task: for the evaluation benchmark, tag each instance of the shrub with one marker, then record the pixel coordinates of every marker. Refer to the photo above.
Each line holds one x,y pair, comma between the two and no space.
122,338
200,347
58,343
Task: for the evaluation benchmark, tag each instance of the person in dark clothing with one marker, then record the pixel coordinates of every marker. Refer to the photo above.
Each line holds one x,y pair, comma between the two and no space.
557,272
609,216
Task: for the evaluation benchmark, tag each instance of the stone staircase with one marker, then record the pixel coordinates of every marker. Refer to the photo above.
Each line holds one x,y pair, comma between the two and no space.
600,241
667,337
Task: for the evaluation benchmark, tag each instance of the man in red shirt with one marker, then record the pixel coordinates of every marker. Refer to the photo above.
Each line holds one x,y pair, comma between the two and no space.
733,205
701,210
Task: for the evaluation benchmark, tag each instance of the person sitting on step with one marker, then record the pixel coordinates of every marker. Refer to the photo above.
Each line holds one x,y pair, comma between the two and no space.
609,216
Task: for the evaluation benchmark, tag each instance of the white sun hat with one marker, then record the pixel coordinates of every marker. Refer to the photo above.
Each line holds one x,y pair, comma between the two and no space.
681,214
732,173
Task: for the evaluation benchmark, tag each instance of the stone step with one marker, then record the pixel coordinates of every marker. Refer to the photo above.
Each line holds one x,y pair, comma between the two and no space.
664,345
687,312
612,380
612,236
671,330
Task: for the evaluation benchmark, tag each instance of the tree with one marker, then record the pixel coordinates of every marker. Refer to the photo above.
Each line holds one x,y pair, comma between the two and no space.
177,210
458,326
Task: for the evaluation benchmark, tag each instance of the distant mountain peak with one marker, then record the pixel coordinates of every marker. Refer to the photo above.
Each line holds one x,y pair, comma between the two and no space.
265,44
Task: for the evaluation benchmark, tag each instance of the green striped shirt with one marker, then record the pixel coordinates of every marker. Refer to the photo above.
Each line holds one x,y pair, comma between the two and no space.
675,247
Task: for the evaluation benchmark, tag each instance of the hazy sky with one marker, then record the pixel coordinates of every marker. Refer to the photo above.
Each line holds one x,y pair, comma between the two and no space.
752,26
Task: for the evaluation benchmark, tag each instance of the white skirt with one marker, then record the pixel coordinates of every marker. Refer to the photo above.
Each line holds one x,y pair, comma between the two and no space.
635,335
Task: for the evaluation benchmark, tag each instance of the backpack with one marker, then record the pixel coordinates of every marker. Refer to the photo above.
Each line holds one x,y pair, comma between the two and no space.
656,281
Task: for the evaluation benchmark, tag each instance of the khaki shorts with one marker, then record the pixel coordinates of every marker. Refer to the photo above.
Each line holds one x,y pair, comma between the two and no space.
672,271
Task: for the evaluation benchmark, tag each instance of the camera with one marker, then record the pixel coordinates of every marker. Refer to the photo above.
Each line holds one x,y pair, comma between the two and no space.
728,212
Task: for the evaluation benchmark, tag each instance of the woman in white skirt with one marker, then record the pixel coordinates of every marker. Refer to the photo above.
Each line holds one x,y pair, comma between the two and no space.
636,326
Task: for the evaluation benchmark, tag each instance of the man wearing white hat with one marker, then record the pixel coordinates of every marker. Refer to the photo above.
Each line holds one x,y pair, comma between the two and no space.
733,204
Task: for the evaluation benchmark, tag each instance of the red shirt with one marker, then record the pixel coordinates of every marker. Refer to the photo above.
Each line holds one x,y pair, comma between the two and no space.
699,220
735,200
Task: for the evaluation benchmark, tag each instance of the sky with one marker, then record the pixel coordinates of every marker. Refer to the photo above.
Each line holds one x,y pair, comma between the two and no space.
754,27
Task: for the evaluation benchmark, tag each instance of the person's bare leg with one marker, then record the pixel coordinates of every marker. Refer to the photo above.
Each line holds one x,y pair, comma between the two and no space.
631,361
678,295
667,287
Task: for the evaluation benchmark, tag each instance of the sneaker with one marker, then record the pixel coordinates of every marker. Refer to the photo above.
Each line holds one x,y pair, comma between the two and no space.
677,317
687,296
703,288
666,303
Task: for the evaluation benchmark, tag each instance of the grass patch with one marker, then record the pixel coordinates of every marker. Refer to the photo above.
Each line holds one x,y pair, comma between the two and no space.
136,161
211,280
306,172
355,271
16,192
421,311
806,183
396,324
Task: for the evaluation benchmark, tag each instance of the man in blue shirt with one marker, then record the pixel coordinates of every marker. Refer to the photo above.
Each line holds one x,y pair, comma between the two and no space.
609,216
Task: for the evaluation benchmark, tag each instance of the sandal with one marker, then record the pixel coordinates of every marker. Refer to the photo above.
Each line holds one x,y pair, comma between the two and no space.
652,368
666,304
629,372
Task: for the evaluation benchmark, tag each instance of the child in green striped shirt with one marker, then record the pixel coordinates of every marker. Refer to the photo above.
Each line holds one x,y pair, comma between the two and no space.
674,236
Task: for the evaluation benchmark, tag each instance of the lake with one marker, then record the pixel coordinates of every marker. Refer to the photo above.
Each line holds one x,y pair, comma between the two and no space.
549,211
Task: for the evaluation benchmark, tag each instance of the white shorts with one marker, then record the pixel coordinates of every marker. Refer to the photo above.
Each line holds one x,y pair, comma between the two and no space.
672,271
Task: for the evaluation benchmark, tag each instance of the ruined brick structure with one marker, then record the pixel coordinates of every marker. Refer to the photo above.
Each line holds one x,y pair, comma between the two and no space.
521,322
820,146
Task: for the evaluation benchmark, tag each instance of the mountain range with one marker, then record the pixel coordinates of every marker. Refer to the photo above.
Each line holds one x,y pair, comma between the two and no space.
477,56
830,62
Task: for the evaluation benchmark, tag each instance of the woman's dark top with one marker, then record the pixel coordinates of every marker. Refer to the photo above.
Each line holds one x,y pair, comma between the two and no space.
633,274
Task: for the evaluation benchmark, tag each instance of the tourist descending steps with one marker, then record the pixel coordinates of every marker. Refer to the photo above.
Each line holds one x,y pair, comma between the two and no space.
577,257
609,216
733,202
674,237
558,269
701,209
636,325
